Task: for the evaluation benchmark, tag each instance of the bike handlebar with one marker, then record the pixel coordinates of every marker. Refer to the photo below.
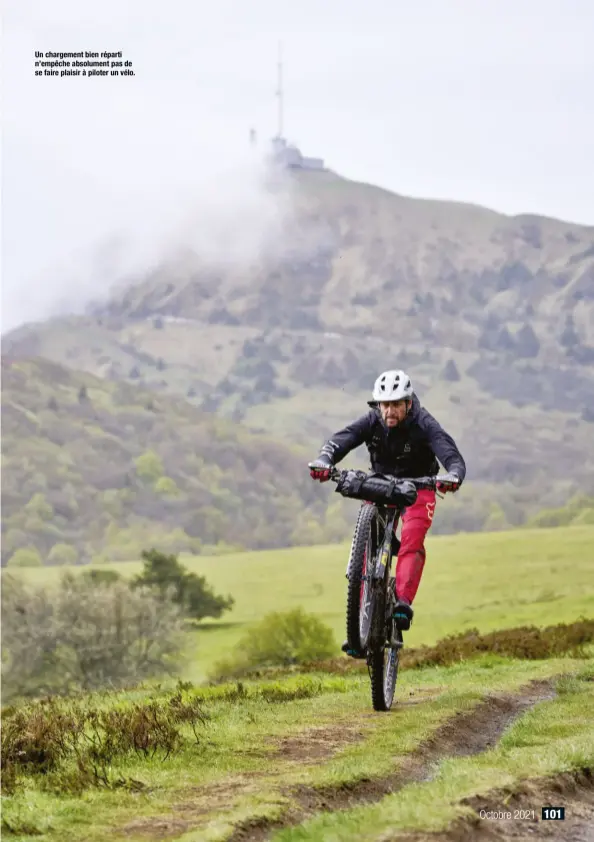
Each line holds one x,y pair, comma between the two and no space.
429,483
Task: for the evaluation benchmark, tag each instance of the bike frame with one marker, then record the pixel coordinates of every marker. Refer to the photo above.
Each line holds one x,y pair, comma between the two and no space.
370,604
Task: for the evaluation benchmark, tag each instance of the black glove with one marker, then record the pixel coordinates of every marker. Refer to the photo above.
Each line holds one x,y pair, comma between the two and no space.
320,468
449,482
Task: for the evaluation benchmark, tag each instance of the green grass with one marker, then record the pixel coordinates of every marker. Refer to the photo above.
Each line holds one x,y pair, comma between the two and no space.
555,736
241,747
484,580
490,581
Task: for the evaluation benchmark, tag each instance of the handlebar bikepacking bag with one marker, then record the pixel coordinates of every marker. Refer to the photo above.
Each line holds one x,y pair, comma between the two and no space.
377,488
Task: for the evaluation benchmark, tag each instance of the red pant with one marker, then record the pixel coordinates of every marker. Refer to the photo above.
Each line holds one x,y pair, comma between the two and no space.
416,521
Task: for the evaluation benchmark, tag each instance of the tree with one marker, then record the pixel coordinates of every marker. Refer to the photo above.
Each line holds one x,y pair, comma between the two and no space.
13,539
174,582
62,554
39,507
167,487
25,557
149,466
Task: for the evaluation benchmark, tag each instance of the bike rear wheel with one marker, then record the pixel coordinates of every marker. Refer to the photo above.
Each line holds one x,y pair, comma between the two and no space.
383,668
360,608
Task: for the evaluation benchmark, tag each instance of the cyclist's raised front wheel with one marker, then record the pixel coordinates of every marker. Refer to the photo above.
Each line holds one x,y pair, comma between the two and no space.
360,608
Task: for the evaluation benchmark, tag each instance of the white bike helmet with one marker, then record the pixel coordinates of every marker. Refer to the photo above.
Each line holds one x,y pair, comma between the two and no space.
393,386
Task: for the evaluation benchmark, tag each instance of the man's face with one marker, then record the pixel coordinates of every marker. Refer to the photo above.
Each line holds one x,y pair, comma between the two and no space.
393,412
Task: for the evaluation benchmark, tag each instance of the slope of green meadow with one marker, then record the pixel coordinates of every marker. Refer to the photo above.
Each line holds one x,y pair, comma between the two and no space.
478,580
271,752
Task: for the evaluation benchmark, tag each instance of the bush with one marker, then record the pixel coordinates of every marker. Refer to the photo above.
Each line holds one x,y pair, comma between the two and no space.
62,554
74,745
586,516
149,466
25,557
84,634
527,642
189,591
281,639
570,513
100,577
167,487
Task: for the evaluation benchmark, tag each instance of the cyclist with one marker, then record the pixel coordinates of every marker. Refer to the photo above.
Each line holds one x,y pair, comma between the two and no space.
404,440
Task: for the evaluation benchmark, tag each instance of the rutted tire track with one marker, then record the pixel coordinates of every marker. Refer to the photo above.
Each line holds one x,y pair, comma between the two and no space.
467,733
572,790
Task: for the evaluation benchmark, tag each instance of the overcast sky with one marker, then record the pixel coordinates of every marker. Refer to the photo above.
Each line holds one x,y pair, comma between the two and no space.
486,101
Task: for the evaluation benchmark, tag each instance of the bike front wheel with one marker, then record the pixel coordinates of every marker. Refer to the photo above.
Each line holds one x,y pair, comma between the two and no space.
360,608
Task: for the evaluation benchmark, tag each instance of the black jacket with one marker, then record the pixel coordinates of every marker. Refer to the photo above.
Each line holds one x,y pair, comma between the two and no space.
409,450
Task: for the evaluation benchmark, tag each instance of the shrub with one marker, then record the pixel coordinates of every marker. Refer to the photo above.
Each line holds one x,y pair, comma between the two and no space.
100,577
84,634
72,745
586,516
281,639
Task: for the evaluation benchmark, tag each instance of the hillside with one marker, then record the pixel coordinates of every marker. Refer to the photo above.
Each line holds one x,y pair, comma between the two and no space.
493,316
462,586
109,469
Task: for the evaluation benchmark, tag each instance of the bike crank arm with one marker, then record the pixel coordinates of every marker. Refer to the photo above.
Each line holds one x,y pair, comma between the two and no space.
395,643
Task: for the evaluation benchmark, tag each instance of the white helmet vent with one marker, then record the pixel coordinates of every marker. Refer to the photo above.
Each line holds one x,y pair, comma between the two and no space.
392,385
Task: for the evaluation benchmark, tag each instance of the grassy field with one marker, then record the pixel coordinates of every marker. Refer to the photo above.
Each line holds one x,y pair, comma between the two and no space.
263,759
483,580
304,757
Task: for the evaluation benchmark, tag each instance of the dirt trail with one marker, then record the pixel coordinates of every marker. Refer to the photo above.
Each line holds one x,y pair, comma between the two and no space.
313,745
572,790
467,733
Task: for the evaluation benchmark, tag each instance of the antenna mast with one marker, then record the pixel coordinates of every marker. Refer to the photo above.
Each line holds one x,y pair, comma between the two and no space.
279,90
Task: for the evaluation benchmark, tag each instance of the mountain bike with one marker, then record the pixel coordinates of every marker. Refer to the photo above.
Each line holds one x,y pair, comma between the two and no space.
372,632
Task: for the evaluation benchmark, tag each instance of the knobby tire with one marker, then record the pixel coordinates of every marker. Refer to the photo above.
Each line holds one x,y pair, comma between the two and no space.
382,660
363,537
